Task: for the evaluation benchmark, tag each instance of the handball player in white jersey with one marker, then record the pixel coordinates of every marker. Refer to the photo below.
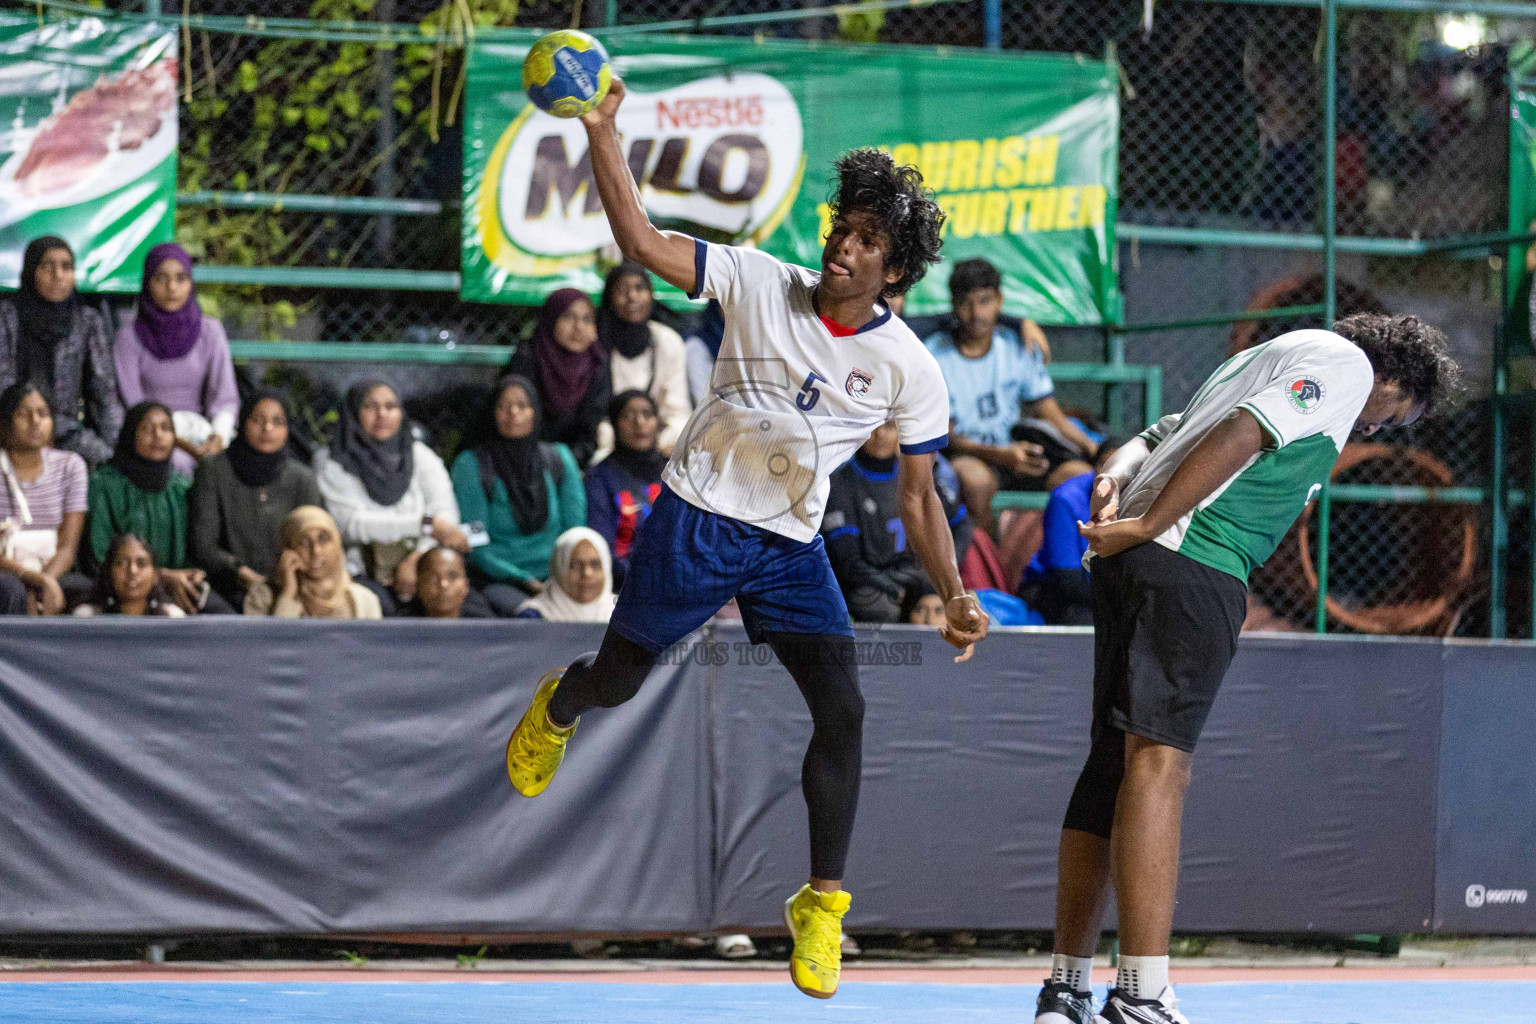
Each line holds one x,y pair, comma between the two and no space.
810,364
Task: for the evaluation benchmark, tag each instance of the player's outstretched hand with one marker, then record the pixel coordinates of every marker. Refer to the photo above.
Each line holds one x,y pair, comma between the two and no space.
606,111
967,625
1104,500
1106,539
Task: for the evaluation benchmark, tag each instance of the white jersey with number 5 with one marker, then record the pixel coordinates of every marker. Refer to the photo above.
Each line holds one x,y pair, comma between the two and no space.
789,401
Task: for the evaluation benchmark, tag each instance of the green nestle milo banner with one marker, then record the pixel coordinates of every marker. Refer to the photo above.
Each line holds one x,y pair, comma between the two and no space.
87,143
734,141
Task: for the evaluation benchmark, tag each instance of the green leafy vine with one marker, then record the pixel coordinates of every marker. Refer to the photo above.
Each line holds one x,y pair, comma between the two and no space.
292,115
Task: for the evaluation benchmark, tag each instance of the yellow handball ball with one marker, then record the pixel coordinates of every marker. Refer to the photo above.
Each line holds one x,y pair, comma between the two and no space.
567,73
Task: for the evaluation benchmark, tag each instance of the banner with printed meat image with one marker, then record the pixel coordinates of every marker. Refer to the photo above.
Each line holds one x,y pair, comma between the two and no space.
734,141
87,144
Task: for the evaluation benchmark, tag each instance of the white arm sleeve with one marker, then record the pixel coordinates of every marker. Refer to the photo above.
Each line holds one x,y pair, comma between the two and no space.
1158,432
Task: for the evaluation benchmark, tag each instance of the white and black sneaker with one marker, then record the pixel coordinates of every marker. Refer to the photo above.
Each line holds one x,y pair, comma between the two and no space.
1120,1008
1059,1004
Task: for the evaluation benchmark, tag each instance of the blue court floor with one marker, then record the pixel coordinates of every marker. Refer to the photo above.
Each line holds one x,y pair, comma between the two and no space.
1326,1002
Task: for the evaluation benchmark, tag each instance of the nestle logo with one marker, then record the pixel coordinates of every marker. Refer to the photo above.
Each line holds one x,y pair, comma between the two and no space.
710,112
1480,896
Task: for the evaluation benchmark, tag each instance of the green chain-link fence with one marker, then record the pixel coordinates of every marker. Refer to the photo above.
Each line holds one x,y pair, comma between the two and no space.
1222,183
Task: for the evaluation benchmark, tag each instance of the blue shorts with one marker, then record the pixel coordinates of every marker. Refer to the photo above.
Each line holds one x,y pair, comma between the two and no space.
687,563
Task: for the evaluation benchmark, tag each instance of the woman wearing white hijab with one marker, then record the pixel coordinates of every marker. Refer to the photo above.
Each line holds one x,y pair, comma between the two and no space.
580,585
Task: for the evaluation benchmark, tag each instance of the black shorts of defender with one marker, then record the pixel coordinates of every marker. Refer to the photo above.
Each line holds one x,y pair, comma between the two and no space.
1165,628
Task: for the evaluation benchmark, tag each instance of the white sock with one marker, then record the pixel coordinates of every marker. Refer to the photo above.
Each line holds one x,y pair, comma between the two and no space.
1142,977
1075,972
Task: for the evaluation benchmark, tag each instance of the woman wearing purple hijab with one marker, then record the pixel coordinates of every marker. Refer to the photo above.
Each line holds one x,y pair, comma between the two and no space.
570,369
171,353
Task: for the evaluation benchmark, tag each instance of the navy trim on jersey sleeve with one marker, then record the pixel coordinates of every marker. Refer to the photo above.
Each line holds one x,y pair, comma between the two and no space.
700,251
924,447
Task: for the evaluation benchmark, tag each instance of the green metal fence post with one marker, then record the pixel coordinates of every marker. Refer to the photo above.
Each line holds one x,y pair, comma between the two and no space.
152,8
611,12
1330,239
1114,355
1498,483
384,101
1498,486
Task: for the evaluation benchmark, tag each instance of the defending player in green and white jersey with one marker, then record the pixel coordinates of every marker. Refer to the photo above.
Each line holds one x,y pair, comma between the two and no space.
1180,517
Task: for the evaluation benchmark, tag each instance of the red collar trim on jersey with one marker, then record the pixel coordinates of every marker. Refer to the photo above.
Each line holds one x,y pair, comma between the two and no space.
837,329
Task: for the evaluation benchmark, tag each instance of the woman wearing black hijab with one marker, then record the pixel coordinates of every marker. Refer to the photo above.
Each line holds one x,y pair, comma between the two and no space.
241,497
136,492
523,492
389,494
644,354
49,337
621,488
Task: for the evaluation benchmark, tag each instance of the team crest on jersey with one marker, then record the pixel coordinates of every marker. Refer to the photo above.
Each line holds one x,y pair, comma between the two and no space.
858,383
1306,395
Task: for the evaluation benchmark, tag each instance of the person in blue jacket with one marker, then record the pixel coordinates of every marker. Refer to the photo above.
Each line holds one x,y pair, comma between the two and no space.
1055,582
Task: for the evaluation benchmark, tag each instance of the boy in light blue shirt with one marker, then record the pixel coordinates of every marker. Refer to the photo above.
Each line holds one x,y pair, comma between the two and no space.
995,378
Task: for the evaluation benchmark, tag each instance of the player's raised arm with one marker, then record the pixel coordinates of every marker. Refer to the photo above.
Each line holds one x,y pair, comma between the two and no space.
927,527
667,254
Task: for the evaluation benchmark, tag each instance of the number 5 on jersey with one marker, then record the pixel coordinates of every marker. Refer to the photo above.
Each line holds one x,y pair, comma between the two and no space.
809,395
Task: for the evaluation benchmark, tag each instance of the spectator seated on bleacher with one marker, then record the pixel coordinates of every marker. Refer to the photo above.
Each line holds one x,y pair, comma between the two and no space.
137,492
1006,430
622,487
443,590
570,371
866,541
1055,581
702,348
643,354
580,586
523,492
311,579
923,607
42,507
129,583
171,353
241,496
48,337
390,494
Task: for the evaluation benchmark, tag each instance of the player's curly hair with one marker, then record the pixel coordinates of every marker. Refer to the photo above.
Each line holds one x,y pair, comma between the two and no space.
1408,352
869,181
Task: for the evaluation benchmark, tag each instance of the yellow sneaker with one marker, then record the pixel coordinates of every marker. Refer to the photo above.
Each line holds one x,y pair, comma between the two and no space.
815,920
536,748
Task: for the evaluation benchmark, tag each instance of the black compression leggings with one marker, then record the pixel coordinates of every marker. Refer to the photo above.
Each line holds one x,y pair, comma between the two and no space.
826,670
